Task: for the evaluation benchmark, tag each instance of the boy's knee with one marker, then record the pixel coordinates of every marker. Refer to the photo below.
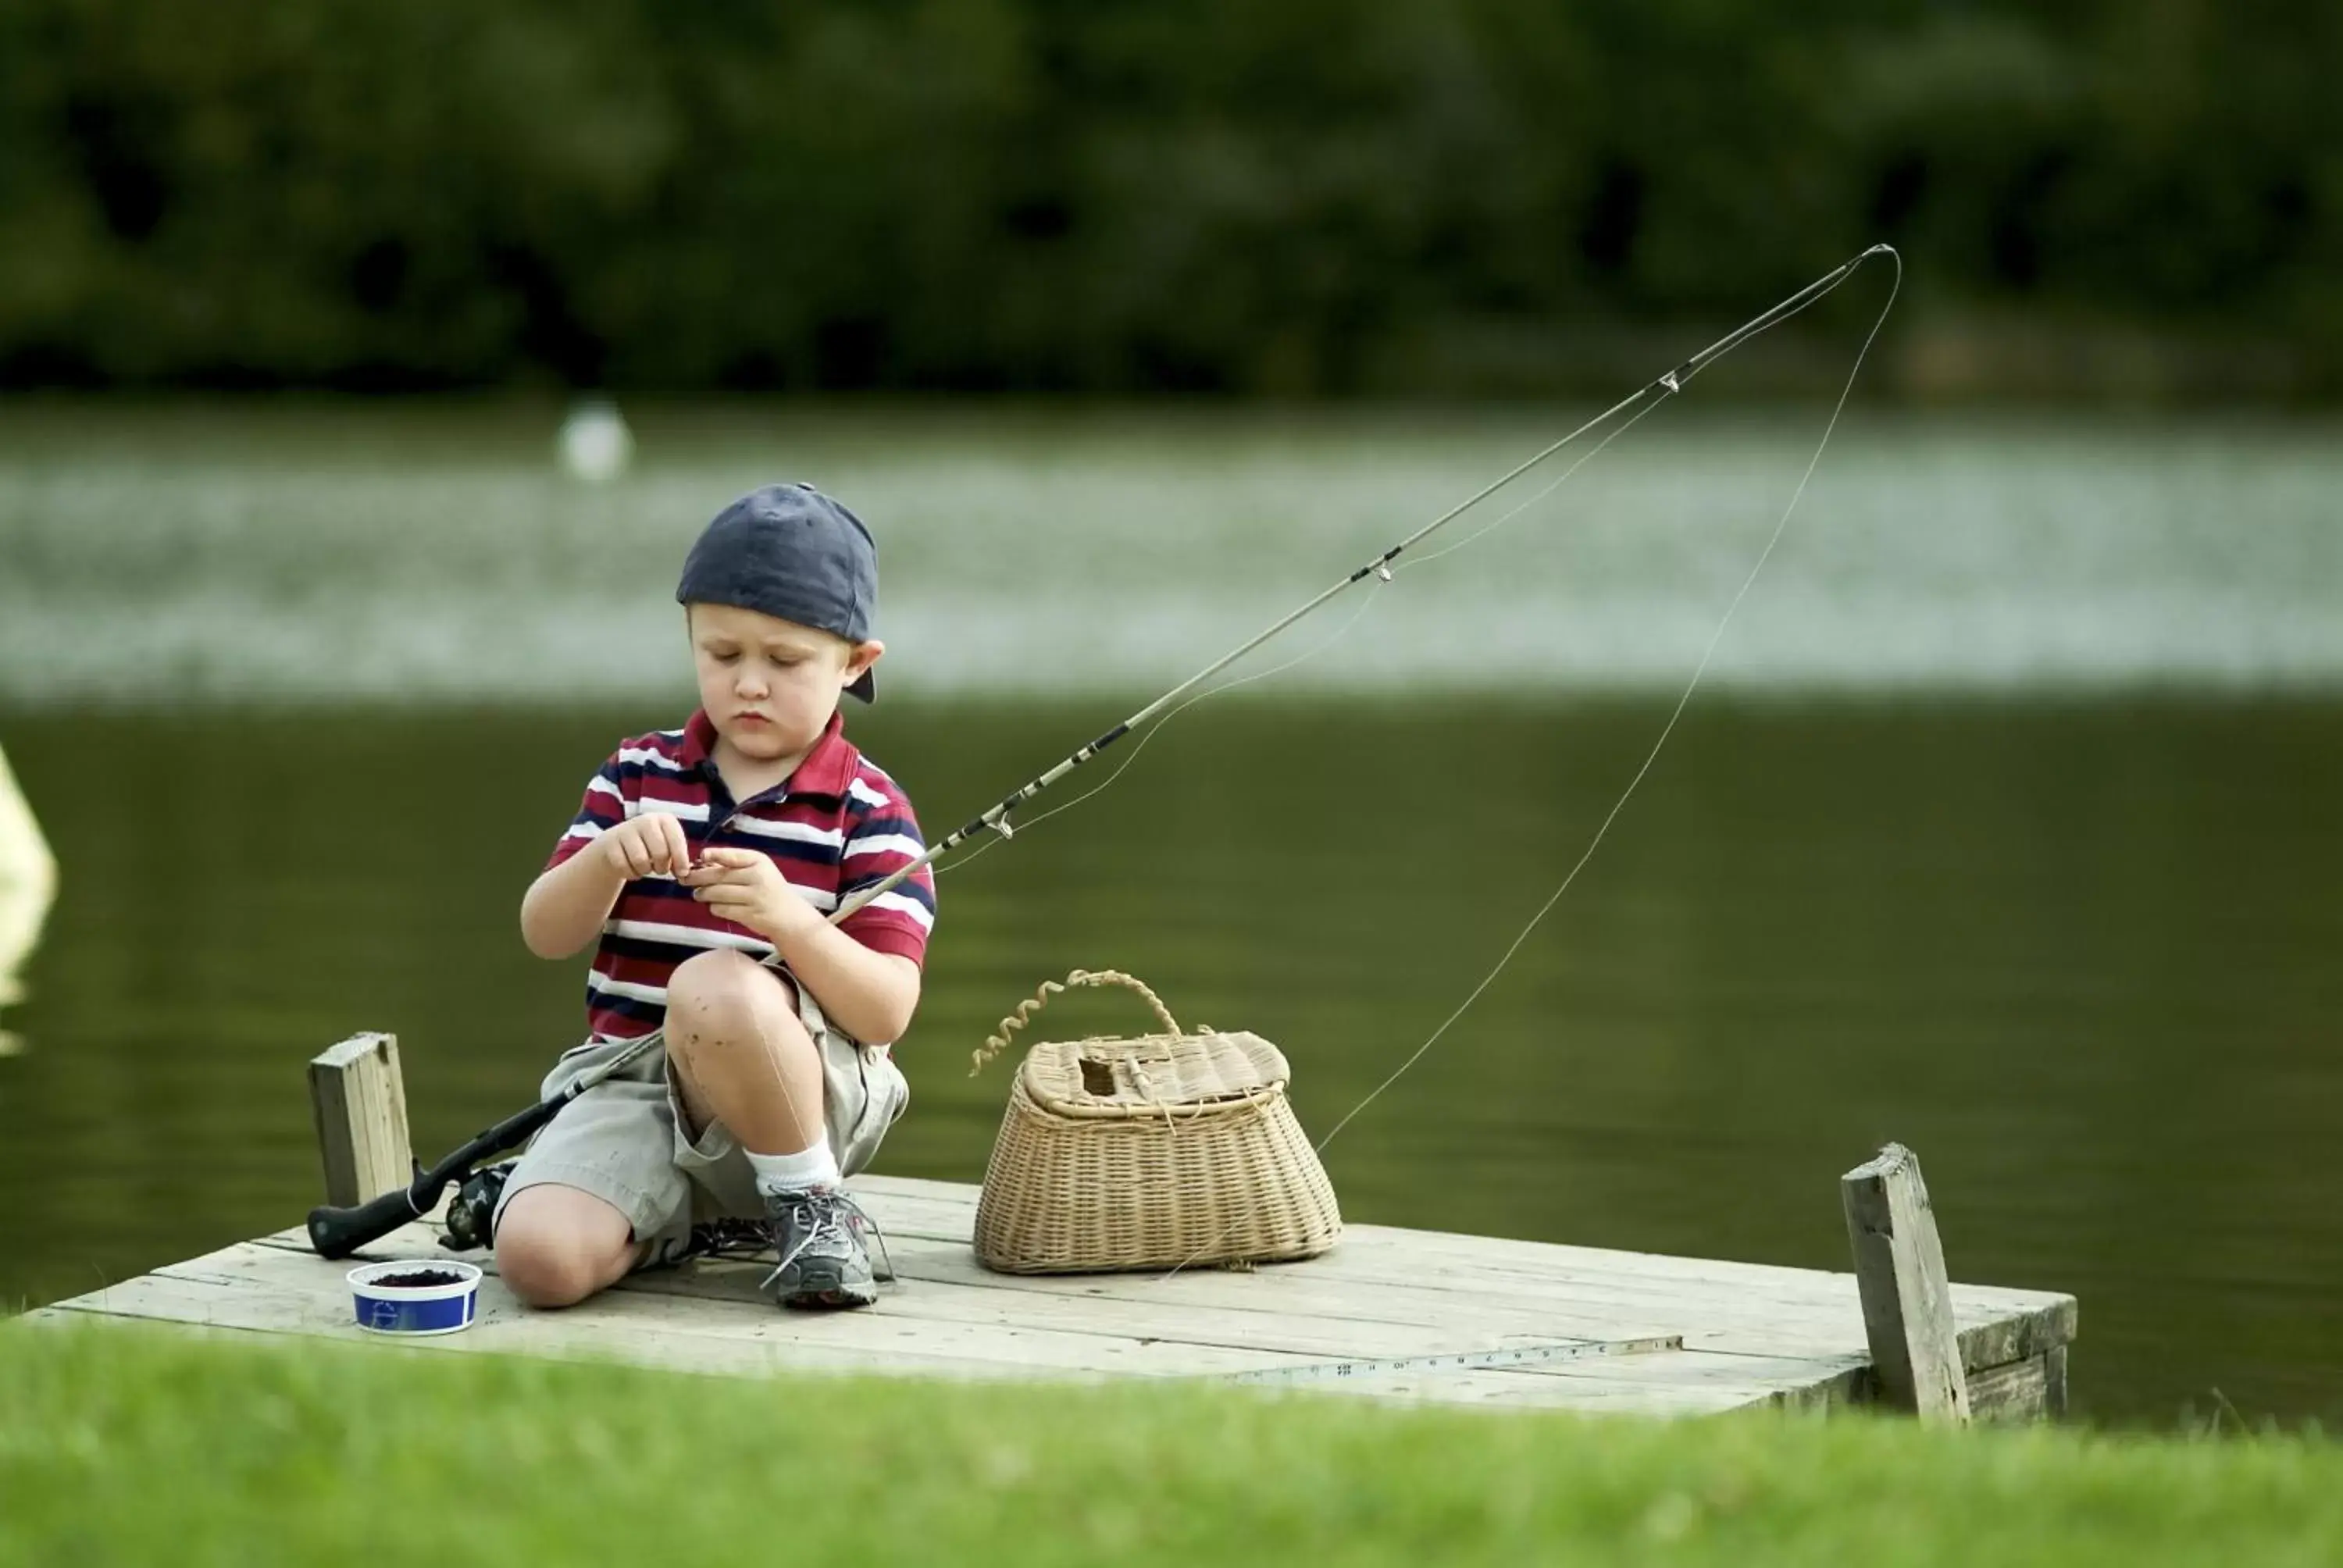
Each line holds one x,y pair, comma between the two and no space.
724,998
550,1258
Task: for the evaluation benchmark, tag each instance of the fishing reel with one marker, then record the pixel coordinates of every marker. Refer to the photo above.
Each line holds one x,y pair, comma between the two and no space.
471,1213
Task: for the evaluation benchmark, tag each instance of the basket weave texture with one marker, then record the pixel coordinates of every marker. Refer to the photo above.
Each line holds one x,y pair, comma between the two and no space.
1165,1150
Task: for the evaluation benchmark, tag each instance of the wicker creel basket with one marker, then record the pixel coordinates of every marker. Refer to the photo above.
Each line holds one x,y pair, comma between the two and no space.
1167,1150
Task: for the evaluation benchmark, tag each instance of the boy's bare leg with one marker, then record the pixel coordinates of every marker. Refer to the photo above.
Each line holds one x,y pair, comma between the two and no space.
558,1245
741,1054
742,1057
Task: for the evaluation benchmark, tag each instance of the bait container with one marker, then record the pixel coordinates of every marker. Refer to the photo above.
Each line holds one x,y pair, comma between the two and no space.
441,1309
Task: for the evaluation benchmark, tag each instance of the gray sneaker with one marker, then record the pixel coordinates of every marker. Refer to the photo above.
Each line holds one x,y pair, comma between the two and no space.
818,1237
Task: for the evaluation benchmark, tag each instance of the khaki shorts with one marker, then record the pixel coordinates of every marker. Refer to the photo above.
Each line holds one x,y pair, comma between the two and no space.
624,1140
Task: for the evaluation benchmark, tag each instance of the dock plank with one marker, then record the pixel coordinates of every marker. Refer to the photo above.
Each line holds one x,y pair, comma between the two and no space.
1321,1317
1752,1333
234,1290
1779,1312
321,1291
1304,1336
1786,1313
952,1286
1785,1306
1502,1390
602,1334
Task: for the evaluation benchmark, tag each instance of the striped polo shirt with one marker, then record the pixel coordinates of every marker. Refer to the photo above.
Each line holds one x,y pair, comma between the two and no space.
835,825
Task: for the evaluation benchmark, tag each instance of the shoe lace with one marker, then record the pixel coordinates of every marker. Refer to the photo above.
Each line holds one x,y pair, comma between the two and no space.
858,1217
817,1215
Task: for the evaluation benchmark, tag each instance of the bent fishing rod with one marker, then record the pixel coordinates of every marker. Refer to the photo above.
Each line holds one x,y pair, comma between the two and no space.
335,1232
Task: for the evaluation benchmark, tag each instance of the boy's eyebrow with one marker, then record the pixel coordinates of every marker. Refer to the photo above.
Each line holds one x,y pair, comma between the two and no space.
793,639
803,647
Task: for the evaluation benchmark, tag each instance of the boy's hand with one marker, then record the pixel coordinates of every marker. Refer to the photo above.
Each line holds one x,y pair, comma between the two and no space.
747,888
645,845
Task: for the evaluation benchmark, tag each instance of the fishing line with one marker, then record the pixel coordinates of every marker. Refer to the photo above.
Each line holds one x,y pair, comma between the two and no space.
1682,380
996,818
1683,698
1479,534
1157,729
1374,586
1475,537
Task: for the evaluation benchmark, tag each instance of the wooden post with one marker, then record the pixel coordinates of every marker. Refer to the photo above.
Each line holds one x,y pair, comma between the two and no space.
361,1110
1907,1302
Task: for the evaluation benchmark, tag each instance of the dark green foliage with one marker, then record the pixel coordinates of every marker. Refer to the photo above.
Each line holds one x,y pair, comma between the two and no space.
1302,197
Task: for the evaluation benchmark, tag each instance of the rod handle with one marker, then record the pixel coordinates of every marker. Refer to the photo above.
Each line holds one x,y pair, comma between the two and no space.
338,1233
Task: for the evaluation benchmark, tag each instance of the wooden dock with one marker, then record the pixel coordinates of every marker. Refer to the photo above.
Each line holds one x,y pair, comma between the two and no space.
1392,1313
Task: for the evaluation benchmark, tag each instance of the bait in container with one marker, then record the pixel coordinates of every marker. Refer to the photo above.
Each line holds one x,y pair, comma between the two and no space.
433,1297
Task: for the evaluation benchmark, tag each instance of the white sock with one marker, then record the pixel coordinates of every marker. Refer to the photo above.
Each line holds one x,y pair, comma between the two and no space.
814,1167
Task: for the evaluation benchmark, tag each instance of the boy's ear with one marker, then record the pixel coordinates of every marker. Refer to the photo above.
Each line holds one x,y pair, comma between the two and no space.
861,657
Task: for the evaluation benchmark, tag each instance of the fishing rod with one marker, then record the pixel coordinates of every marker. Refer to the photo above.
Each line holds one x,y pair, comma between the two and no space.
335,1232
1668,385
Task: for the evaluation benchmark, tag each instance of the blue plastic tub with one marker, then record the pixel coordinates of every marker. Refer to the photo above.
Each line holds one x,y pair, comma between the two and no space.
416,1309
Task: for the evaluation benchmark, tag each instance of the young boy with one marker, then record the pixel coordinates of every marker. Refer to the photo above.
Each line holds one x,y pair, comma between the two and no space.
707,859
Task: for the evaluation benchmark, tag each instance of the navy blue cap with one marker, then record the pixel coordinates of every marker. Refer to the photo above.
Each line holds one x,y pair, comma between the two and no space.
790,551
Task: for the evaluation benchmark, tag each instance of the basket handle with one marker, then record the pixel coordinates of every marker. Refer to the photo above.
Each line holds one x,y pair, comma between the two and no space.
994,1044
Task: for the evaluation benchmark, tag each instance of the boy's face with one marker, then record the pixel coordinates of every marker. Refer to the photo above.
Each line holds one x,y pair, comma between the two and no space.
770,685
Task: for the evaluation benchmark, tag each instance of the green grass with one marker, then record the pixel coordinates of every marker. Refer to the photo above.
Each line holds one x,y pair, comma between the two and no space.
124,1445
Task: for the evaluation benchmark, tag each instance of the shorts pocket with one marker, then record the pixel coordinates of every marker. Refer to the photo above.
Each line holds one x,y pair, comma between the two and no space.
902,1095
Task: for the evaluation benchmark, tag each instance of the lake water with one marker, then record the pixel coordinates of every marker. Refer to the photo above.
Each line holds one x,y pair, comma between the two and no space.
2007,829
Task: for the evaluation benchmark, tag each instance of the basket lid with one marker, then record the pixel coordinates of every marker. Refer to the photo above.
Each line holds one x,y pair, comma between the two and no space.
1153,1074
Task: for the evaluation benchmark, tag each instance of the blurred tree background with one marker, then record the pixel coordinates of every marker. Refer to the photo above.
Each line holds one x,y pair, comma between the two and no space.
1284,197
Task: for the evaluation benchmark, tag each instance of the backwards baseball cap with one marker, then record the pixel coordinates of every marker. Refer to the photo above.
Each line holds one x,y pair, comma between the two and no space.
790,551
